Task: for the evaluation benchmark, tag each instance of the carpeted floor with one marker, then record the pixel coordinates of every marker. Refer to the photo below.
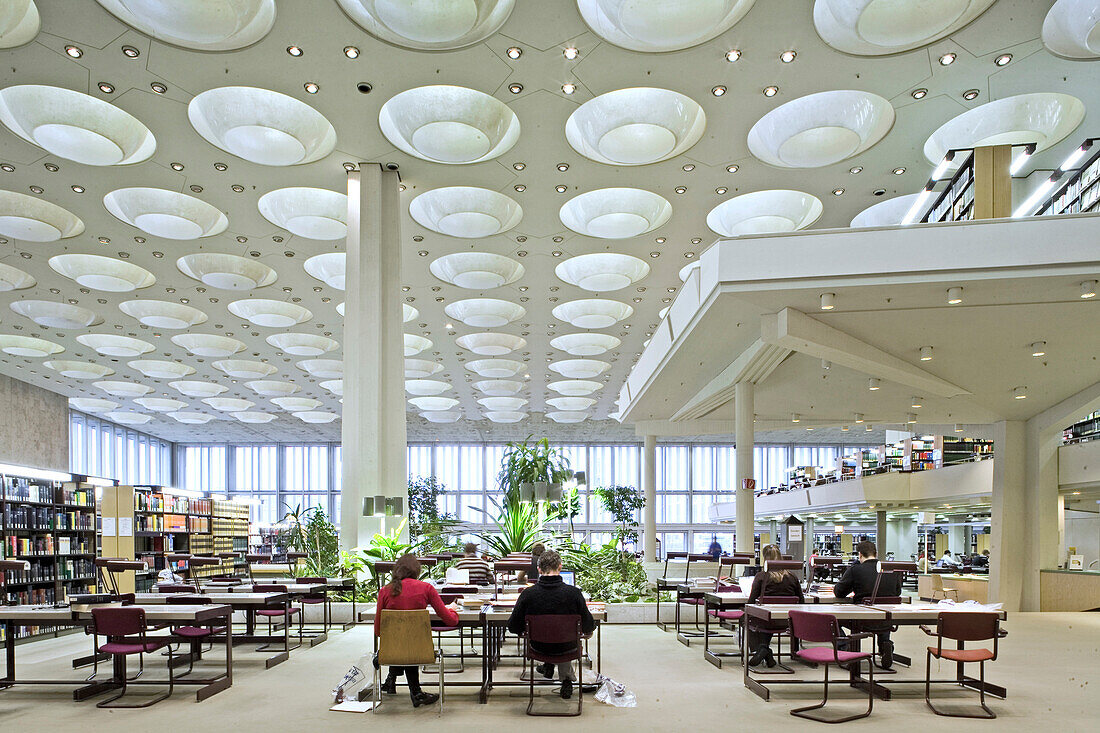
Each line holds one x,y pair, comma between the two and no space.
1049,662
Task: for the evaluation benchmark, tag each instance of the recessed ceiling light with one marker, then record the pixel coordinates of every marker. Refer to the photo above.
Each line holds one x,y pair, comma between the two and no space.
838,191
1020,393
696,240
970,94
1039,348
106,87
828,301
874,384
294,50
514,52
51,167
787,56
74,51
947,59
732,168
364,87
560,189
7,168
130,52
919,93
855,169
39,189
220,167
1088,289
568,87
515,87
680,189
955,296
858,417
177,166
899,170
795,417
659,240
732,55
195,188
910,418
78,189
917,403
718,91
689,255
771,91
520,187
654,255
237,188
158,87
1003,59
570,53
720,190
556,253
519,166
689,167
563,167
351,52
311,87
349,166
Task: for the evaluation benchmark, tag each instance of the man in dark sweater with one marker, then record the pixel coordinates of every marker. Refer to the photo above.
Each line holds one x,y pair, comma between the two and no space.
859,580
550,596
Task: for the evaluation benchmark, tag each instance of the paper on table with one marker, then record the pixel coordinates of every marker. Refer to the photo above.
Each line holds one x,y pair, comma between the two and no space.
109,527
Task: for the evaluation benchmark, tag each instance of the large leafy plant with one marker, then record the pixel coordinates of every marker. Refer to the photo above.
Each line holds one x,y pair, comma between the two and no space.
383,547
535,462
518,526
623,503
607,573
310,531
432,529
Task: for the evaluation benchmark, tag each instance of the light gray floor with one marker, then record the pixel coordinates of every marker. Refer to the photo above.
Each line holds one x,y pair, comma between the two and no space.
1050,663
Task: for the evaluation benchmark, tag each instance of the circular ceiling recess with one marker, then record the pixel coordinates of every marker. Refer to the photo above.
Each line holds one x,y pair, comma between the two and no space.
32,219
12,278
635,126
269,313
821,129
586,344
330,268
19,23
602,272
1072,29
661,25
254,417
505,416
415,344
167,214
244,368
498,387
593,313
335,386
201,25
580,368
434,404
205,344
75,126
313,213
1043,118
571,404
429,25
764,212
163,313
323,368
426,387
229,404
198,389
303,344
495,368
261,126
191,418
491,344
29,346
55,315
157,369
476,270
296,404
561,416
128,418
124,389
226,272
465,211
575,387
878,27
102,273
441,417
615,213
414,369
92,404
315,417
79,369
109,344
485,312
271,388
160,404
501,404
449,124
888,213
407,311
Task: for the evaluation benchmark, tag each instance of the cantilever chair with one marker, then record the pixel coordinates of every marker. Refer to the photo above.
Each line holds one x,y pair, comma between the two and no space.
961,627
405,640
125,631
554,629
818,628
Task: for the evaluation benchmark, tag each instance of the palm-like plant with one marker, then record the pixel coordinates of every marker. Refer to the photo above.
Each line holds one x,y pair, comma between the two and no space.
525,462
518,526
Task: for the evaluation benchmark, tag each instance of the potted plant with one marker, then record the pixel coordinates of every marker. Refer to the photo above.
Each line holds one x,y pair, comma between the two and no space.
532,471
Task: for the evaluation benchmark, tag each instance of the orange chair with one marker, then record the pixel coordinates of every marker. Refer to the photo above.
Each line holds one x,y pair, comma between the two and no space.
961,627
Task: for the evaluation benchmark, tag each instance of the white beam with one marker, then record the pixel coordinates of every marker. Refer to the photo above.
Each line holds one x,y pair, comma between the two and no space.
754,365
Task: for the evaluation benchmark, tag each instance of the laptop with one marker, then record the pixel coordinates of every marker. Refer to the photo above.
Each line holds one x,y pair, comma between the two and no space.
568,577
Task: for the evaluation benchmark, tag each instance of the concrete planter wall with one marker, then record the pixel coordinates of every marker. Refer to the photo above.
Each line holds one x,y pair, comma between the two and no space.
617,613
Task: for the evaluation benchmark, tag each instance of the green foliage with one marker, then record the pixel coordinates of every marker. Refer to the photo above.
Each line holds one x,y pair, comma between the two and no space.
311,532
568,508
383,547
518,526
608,574
434,530
530,463
623,503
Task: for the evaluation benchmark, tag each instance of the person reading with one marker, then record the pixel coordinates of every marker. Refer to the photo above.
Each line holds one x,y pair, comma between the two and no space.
481,572
550,596
404,592
859,581
536,551
770,583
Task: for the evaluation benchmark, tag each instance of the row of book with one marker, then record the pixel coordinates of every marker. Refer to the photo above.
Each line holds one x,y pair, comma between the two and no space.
21,489
28,546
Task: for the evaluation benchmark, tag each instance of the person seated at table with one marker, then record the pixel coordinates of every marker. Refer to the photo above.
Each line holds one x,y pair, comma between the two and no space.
947,561
770,583
551,596
404,592
481,571
536,551
168,576
982,560
922,563
859,580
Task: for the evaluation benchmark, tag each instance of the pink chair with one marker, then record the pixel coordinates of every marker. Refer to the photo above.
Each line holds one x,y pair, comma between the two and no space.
961,627
286,613
125,631
196,635
560,629
317,599
822,628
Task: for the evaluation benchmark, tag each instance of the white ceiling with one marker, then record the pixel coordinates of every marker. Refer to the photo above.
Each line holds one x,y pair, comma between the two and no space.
541,30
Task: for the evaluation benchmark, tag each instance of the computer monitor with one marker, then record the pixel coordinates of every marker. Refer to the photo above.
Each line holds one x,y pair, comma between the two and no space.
568,577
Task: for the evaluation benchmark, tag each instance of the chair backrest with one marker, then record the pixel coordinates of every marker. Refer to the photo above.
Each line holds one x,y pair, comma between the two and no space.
562,628
176,588
777,600
195,600
312,581
405,638
968,625
268,588
937,582
119,621
813,627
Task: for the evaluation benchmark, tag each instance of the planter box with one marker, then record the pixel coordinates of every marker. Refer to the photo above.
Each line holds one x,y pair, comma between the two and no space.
617,613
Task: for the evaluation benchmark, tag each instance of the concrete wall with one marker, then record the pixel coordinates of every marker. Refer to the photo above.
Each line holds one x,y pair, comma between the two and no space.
1083,532
1079,464
34,430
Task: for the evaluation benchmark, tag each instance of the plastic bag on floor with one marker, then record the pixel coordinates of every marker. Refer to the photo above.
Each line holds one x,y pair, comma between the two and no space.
615,694
354,680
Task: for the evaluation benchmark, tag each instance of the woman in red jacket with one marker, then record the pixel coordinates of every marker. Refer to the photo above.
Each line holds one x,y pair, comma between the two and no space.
404,592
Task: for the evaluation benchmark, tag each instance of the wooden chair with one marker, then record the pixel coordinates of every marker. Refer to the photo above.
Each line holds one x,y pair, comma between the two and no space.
405,640
961,627
938,587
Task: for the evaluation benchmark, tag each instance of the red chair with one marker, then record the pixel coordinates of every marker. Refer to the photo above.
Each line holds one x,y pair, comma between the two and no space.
559,629
193,634
286,613
961,627
318,599
822,628
176,588
760,626
125,631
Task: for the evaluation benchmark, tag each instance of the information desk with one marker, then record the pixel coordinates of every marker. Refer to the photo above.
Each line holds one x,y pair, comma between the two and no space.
904,614
173,615
970,587
1069,590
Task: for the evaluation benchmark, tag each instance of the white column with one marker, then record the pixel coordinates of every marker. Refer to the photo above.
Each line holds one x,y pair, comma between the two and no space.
373,434
1041,444
649,488
744,407
1008,525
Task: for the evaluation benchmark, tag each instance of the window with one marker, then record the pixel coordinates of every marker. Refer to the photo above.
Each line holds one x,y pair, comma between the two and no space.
104,449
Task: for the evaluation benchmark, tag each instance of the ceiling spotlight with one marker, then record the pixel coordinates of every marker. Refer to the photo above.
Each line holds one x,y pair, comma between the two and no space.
1019,393
828,301
858,417
106,87
926,353
919,93
732,55
7,167
910,418
364,87
688,167
130,52
74,51
221,167
718,91
680,189
838,191
873,384
158,87
732,168
660,240
515,87
654,255
1039,348
899,170
238,188
78,189
294,50
520,187
177,166
563,167
970,94
560,188
918,402
954,296
519,166
1088,289
947,59
771,91
1003,59
401,187
787,56
39,189
351,52
514,52
869,428
795,417
311,87
958,428
568,87
348,166
570,53
720,190
855,169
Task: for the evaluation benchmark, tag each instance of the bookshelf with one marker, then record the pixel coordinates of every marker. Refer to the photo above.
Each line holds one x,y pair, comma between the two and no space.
1081,191
1083,430
956,202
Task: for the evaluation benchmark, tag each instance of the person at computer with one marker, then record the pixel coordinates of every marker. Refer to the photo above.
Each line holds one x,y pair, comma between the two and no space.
551,596
859,581
947,561
481,572
404,592
770,583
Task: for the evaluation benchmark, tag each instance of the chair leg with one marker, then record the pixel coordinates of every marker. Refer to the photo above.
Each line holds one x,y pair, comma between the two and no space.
804,712
987,713
152,701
